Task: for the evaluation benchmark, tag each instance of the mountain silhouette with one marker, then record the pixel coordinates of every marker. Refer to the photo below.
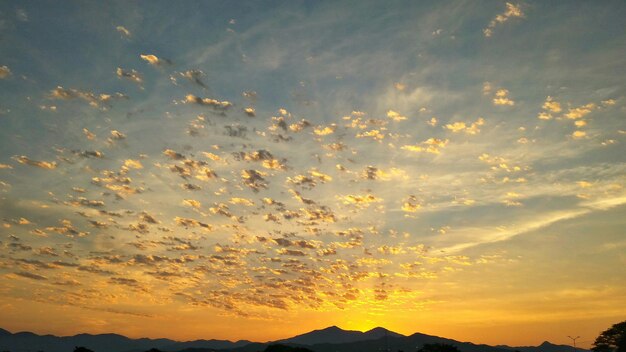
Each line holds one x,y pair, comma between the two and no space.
28,341
417,340
329,339
336,335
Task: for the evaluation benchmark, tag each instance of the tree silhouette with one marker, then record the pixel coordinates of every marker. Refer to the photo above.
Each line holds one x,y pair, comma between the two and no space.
285,348
612,339
82,349
438,347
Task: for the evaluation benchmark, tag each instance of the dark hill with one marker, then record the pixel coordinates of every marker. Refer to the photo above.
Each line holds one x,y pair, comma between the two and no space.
335,335
330,339
28,341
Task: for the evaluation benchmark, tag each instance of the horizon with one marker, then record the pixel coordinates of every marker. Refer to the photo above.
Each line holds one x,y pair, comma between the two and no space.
285,337
297,334
249,170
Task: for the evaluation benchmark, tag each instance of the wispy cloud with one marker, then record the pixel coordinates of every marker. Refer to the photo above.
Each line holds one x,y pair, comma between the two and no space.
512,11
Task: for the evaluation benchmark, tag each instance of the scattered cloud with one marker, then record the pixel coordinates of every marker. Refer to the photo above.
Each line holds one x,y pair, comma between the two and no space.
41,164
131,75
512,11
472,128
123,31
502,98
215,104
32,276
99,101
579,112
257,178
5,72
154,60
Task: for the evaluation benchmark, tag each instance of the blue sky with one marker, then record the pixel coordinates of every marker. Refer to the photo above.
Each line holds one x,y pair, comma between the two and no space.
454,168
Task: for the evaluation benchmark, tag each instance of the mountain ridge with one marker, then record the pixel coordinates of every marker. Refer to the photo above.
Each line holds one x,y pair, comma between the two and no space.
320,340
334,334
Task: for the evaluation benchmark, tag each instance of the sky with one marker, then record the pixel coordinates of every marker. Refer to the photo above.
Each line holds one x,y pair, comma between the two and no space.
255,170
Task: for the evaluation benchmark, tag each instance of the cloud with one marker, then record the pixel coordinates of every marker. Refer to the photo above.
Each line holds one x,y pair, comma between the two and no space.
31,276
390,250
324,130
41,164
215,104
487,87
311,180
187,222
512,11
91,136
69,282
88,153
291,252
192,203
374,173
95,269
193,76
411,204
173,154
374,134
483,236
49,251
117,135
299,126
395,116
360,201
22,15
266,158
241,201
250,111
133,164
579,134
98,224
608,102
551,105
154,60
124,281
431,145
309,208
123,31
131,75
191,187
254,179
502,98
99,101
399,86
67,228
606,203
579,112
471,129
5,72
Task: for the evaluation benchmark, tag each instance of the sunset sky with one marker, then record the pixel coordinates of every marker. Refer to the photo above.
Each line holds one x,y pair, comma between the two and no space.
255,170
